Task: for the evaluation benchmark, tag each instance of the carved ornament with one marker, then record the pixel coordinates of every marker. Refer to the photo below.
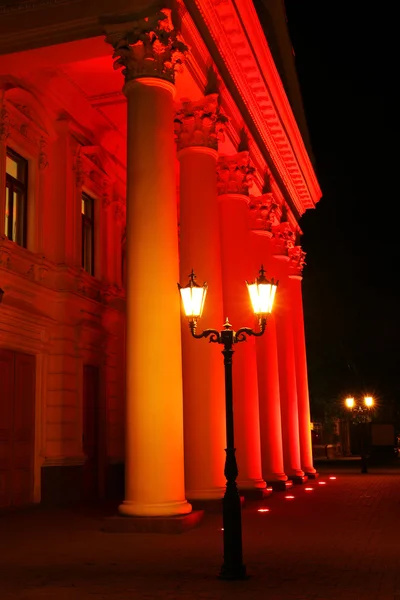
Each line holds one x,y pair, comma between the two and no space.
235,175
265,212
4,121
149,47
78,168
200,123
43,162
283,238
297,258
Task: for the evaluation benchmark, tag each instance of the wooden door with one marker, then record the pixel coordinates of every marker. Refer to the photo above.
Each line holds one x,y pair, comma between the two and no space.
91,430
24,427
17,428
6,425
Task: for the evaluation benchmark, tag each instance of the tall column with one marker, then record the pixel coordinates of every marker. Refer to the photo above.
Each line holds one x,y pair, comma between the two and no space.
154,472
296,265
203,368
286,358
234,176
268,380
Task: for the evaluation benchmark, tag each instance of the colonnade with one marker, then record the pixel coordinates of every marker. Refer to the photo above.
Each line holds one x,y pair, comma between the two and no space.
175,411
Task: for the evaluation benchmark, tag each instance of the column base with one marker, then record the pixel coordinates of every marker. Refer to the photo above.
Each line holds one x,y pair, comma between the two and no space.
298,479
311,474
180,524
210,494
251,484
256,493
213,505
129,508
280,486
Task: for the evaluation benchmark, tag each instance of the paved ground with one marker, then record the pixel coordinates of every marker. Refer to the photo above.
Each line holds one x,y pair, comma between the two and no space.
340,541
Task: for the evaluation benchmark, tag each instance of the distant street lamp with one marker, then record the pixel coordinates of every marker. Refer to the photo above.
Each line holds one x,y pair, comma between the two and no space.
262,295
361,416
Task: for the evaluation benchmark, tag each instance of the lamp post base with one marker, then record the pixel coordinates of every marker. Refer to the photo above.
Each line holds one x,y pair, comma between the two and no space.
232,573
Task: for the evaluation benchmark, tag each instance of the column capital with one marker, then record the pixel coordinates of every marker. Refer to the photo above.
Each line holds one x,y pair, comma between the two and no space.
148,47
283,239
265,212
235,174
297,261
200,123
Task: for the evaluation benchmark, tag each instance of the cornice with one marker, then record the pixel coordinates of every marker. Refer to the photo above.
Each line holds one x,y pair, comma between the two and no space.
240,42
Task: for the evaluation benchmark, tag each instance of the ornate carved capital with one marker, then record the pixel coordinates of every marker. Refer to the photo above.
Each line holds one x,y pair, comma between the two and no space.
149,47
297,258
200,123
283,238
235,175
4,121
265,212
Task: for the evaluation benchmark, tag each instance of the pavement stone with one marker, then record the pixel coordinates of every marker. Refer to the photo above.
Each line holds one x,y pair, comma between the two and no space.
339,541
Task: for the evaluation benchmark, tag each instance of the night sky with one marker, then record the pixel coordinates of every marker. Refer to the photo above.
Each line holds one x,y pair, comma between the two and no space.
346,63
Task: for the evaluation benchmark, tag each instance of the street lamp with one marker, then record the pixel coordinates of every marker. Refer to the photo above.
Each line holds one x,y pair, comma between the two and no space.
262,295
361,415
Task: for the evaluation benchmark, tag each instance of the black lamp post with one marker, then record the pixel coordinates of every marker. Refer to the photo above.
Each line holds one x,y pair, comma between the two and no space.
262,294
361,416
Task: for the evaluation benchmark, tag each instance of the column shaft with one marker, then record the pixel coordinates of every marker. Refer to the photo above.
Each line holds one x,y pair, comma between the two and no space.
287,380
154,472
301,376
203,367
236,263
268,377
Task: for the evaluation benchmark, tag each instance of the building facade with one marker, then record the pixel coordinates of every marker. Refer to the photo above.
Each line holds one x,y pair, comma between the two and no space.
138,142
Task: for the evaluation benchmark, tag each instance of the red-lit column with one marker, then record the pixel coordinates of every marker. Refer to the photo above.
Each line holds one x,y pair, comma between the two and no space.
287,367
154,470
268,379
296,265
233,178
203,369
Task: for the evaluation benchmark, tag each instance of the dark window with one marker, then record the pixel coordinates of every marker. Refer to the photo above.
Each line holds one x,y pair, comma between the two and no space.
88,233
16,197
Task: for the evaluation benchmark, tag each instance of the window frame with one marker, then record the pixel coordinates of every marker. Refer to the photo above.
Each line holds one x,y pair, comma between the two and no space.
85,222
15,185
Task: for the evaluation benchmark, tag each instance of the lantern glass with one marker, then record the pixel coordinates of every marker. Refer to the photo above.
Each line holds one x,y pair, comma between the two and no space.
368,401
262,294
193,297
349,402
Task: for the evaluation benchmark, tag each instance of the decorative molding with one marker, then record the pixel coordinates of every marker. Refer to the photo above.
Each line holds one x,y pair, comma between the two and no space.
265,212
200,123
149,47
235,175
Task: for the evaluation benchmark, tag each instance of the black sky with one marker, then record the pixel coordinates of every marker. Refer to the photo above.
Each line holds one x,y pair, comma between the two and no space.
346,58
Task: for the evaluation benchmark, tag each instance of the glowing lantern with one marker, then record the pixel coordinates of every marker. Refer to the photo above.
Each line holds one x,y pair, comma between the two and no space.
349,402
262,294
193,297
368,401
